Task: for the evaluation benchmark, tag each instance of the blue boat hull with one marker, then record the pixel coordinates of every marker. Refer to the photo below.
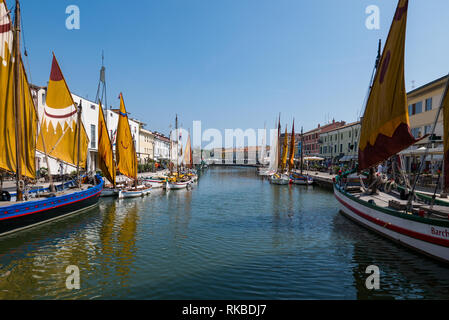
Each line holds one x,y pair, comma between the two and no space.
28,214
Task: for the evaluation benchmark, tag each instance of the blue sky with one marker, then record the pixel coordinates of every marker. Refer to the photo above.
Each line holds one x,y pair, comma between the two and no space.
231,63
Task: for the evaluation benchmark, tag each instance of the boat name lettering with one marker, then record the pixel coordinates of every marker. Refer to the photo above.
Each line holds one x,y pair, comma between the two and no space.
440,233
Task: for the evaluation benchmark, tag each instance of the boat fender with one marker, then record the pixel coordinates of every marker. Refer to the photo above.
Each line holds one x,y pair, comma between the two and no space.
21,185
5,196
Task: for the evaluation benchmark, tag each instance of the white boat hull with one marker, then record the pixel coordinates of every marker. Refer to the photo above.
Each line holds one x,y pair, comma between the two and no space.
427,236
283,180
176,185
156,184
125,194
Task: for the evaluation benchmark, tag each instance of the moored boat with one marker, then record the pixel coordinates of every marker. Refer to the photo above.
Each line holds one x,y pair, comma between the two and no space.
301,179
385,131
130,193
109,192
280,179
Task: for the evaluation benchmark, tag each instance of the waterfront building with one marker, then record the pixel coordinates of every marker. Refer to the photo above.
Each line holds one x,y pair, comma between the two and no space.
423,104
161,147
146,146
340,145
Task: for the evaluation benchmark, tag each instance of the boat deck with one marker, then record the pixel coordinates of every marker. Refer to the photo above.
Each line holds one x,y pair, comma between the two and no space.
45,195
393,201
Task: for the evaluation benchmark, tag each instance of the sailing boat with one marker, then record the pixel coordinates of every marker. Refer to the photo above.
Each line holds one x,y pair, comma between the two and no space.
176,181
19,119
106,156
280,177
263,170
298,178
188,160
385,132
126,155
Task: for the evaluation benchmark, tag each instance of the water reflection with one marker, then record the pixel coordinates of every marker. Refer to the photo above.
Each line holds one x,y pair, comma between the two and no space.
233,236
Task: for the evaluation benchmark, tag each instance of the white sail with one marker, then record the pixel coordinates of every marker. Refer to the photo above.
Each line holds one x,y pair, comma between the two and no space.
263,151
274,157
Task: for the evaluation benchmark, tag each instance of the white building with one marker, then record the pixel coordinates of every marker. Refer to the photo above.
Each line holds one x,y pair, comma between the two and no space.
161,147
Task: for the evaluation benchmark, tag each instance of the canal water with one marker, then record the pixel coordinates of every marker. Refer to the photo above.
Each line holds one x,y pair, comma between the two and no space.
233,236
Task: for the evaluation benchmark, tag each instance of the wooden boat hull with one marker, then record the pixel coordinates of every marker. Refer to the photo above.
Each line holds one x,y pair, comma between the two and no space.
32,213
428,236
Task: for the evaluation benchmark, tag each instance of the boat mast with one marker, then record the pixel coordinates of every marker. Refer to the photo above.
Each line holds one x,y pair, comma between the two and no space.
302,146
17,106
78,134
177,148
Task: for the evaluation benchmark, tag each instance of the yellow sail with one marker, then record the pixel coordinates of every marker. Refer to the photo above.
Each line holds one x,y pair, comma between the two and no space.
126,155
188,153
60,122
28,121
385,125
105,153
285,153
291,161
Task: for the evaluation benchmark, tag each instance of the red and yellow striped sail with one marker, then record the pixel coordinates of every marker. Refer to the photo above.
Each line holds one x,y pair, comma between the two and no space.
60,122
126,155
291,162
105,153
28,121
385,125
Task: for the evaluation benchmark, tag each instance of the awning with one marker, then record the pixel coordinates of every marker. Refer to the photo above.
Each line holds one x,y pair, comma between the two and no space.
313,159
347,158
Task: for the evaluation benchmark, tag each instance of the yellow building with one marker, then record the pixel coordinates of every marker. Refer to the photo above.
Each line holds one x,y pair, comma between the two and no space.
146,146
423,105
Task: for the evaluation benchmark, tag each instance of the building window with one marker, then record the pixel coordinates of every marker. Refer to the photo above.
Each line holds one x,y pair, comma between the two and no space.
429,104
92,136
92,107
44,97
427,129
415,108
341,148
